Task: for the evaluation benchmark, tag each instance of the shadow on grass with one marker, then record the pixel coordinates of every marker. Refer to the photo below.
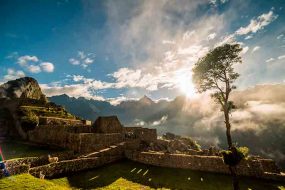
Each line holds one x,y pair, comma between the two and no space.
13,150
157,177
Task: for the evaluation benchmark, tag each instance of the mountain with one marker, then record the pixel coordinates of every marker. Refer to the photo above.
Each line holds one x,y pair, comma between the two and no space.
144,109
25,87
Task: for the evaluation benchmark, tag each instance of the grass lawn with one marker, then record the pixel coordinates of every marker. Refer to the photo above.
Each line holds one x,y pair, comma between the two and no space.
131,175
127,175
13,150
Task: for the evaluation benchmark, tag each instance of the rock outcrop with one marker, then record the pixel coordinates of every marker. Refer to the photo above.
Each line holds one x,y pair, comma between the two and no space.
25,87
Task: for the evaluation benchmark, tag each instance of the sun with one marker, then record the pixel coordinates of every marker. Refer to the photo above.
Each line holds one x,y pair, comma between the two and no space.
185,84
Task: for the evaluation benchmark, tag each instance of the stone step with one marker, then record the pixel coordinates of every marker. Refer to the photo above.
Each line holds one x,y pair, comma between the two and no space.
103,152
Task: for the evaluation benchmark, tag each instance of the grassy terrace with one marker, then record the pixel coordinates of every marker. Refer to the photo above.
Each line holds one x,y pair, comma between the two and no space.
124,175
134,176
47,111
12,150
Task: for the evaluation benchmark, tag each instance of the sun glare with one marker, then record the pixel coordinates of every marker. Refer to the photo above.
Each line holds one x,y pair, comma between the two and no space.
184,82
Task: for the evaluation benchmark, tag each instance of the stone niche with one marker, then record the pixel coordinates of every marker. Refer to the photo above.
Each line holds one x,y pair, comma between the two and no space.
109,124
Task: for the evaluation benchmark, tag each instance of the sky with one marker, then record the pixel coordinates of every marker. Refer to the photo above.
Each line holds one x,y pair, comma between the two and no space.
124,49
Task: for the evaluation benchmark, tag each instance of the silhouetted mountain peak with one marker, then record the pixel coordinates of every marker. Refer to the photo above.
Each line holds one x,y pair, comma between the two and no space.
146,100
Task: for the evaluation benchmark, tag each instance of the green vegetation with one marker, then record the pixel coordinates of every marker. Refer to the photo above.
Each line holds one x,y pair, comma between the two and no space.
12,150
233,156
130,175
29,120
45,112
123,175
26,181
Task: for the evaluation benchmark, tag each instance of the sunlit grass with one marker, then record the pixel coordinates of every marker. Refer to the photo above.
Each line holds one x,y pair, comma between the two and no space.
26,181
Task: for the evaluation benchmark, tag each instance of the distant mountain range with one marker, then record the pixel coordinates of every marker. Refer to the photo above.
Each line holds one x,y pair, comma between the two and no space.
132,112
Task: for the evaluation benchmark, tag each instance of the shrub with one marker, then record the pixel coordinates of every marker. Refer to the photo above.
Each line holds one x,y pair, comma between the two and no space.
29,121
234,155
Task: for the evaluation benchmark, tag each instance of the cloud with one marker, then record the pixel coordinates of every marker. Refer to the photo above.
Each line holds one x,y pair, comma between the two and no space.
257,24
34,65
88,61
244,50
74,61
162,120
280,36
13,74
269,60
281,57
255,49
82,59
24,60
212,36
47,67
34,68
248,37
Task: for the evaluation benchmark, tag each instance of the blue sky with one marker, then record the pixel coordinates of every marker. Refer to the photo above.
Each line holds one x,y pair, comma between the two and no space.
119,50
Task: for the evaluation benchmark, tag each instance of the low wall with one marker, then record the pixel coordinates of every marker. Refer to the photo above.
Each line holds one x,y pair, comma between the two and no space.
79,142
62,121
252,168
144,134
79,164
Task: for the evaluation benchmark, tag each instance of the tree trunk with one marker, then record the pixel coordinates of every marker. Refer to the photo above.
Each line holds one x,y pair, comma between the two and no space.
233,170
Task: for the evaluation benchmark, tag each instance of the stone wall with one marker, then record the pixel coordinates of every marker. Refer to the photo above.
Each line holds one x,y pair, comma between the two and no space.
144,134
22,165
62,121
79,142
71,166
252,168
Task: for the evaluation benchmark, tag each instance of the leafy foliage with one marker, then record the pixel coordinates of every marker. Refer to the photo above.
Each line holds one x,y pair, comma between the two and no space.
233,156
215,72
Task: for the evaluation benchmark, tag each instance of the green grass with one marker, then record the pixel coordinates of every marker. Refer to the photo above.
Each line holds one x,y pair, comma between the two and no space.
26,181
131,175
127,175
13,150
47,112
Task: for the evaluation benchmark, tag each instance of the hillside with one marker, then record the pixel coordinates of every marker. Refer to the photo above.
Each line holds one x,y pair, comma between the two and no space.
22,103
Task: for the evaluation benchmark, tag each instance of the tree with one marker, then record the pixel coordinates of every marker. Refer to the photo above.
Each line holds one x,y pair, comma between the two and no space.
215,73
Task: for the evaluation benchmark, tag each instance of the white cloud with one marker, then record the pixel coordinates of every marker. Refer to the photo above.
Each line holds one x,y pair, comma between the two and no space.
13,74
257,24
47,67
88,60
34,68
281,57
187,35
74,61
244,50
168,42
280,36
269,60
34,65
24,60
82,59
162,120
255,49
248,37
212,36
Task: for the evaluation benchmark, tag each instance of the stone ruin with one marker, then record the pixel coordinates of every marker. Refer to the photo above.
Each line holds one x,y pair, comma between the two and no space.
110,124
107,140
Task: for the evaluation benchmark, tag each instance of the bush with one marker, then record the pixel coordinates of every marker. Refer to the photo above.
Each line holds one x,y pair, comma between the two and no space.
29,121
234,155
